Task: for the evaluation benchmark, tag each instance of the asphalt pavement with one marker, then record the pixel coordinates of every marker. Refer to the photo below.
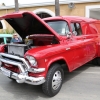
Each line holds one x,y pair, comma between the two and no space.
81,84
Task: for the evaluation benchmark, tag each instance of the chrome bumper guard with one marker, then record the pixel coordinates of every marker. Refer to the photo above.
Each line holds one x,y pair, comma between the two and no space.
24,67
23,77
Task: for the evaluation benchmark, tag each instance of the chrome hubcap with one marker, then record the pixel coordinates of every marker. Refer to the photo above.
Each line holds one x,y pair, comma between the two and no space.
56,81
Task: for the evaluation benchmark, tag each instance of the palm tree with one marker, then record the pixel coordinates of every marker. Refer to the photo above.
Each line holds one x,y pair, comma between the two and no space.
2,4
57,8
16,5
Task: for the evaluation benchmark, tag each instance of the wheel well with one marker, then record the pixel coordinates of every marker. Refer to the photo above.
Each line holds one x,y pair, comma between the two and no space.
62,63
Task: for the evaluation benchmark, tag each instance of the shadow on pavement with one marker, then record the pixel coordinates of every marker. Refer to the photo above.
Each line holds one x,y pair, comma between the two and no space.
70,75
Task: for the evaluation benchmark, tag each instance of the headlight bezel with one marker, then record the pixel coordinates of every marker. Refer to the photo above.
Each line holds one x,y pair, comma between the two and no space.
32,61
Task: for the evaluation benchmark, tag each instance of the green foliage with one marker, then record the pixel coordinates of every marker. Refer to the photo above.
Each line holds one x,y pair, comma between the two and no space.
6,31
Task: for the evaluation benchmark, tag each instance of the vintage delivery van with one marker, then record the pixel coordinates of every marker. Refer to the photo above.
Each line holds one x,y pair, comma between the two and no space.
51,42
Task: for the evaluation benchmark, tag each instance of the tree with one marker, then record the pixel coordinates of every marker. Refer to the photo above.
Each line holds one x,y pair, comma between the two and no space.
57,8
3,4
16,5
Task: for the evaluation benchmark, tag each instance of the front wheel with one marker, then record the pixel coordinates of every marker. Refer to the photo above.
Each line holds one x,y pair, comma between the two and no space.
54,80
96,61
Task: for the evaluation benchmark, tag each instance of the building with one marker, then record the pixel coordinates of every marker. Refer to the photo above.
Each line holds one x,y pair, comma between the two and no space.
85,8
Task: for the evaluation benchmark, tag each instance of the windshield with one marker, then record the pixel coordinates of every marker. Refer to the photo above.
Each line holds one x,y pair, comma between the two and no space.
61,27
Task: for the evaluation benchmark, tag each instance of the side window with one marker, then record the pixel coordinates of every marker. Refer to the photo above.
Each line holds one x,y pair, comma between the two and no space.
1,40
76,29
8,39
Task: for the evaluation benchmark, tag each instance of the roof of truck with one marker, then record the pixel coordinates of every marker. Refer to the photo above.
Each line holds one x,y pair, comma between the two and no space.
71,18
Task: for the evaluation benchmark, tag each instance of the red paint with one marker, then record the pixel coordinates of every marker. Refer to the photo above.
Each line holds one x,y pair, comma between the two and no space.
2,48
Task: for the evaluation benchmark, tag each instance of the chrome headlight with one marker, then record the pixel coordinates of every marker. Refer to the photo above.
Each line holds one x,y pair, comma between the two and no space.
31,60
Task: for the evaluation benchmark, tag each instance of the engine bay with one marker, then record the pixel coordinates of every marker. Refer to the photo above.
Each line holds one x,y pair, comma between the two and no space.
31,41
17,49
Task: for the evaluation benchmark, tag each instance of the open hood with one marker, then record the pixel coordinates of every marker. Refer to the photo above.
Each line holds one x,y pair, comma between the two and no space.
27,23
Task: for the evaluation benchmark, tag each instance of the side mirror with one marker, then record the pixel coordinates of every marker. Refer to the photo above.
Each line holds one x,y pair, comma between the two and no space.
74,33
1,27
69,35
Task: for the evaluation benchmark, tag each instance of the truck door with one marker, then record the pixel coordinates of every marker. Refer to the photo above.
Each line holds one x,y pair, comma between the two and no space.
83,46
90,40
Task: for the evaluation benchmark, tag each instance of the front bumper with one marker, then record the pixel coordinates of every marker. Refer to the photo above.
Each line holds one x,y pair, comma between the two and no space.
23,77
24,68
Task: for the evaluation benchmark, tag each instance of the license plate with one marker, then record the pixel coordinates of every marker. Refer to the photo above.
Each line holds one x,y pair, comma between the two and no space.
6,72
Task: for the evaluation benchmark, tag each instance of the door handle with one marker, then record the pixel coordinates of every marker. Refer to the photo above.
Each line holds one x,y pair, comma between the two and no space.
68,48
84,37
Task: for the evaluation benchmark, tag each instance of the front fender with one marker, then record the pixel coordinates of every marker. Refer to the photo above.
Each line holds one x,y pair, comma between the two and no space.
51,60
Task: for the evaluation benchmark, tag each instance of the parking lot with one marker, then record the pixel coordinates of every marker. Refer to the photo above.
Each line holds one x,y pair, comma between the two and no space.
81,84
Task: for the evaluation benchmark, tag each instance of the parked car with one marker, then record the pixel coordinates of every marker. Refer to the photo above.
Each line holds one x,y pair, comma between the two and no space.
55,41
5,38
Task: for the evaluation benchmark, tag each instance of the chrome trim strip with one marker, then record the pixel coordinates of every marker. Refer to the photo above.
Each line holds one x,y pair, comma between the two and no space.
34,70
24,78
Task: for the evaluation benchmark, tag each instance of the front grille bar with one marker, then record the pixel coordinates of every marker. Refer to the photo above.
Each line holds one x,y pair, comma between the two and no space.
13,63
17,58
22,64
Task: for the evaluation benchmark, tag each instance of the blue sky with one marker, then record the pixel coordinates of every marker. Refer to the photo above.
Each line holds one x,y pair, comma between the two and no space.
11,2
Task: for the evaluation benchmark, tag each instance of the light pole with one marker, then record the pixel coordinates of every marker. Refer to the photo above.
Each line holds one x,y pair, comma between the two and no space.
16,5
57,8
